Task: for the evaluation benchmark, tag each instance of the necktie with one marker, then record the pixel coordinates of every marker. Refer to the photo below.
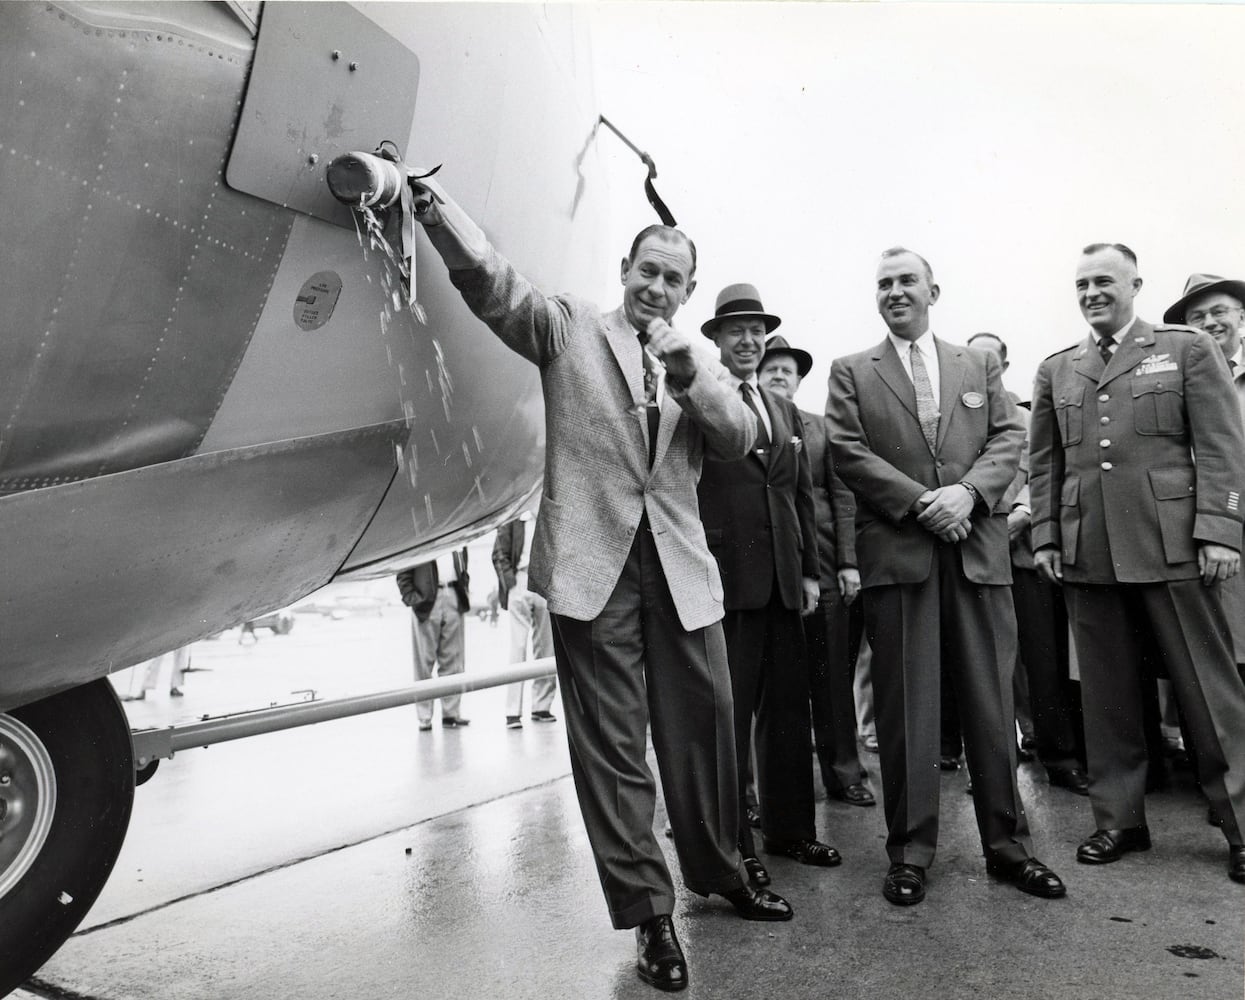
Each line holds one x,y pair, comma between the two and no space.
762,442
1104,348
926,405
652,411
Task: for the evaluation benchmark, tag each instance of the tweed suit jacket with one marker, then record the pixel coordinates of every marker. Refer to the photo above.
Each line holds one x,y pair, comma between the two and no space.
598,483
834,503
1134,463
759,515
881,455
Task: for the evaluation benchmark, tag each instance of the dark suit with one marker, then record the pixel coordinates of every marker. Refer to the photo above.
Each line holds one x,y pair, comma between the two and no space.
1133,465
507,554
833,631
419,584
759,522
928,601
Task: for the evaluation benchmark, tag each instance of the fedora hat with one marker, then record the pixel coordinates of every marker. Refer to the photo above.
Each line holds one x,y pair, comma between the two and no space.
1203,284
777,345
739,302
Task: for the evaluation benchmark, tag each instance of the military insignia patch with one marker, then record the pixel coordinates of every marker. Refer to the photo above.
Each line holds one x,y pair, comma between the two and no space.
973,400
1234,501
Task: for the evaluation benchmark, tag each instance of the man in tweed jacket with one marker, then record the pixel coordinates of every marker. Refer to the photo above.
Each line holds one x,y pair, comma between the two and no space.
620,555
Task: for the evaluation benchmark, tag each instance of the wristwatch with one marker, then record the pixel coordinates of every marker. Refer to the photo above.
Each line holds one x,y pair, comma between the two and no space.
972,491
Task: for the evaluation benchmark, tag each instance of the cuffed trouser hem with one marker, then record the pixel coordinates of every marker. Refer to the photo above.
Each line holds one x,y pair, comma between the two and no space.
724,883
642,910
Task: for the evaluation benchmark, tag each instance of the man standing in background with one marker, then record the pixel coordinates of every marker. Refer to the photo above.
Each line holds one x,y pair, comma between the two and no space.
833,630
437,594
529,619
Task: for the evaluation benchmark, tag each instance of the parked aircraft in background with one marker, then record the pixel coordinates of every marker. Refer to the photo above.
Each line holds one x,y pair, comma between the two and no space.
211,403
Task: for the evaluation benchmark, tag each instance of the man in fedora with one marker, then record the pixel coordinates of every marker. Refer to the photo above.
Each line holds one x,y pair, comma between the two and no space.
760,522
1136,470
832,632
1217,306
924,434
619,554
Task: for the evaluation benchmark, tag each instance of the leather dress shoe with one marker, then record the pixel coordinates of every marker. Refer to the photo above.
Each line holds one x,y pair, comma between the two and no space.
855,794
757,874
807,852
1072,778
1236,863
904,884
1030,876
758,904
659,959
753,816
948,763
454,721
1212,817
1105,846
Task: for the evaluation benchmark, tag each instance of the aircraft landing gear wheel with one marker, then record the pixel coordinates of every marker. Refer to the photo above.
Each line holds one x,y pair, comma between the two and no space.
66,790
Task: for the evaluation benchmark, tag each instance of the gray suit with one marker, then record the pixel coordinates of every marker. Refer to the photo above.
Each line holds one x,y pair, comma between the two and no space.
635,595
928,601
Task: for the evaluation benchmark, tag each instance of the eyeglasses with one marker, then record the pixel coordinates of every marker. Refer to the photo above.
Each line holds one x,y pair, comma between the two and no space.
1219,312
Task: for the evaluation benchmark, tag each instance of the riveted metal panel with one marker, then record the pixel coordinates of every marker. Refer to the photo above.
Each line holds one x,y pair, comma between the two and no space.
148,560
132,276
326,80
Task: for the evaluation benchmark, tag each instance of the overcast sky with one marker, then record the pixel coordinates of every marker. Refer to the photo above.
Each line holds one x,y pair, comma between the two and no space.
794,142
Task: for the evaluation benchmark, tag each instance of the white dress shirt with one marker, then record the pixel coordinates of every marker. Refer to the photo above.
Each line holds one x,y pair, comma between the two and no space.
929,354
1119,335
756,398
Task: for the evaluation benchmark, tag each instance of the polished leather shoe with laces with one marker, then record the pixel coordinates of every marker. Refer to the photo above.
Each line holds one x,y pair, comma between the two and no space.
659,959
948,763
1030,876
904,884
855,794
757,874
753,816
807,852
1104,846
1072,778
758,904
1236,863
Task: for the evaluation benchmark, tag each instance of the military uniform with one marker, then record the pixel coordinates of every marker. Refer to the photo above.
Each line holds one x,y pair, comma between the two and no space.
1116,488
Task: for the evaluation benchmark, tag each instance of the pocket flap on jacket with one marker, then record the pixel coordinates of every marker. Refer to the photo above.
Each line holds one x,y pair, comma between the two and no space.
1071,496
1171,484
1071,397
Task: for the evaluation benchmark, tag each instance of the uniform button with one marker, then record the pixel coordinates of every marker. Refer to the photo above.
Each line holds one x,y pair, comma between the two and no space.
1106,466
1104,420
1104,443
1105,397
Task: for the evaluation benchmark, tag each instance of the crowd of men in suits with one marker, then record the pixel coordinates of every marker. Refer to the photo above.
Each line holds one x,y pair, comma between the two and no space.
702,545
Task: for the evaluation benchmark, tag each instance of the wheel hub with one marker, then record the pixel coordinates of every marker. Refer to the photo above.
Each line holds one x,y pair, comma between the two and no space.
27,799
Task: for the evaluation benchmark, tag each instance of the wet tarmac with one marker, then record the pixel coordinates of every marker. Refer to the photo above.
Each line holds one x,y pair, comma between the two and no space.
364,858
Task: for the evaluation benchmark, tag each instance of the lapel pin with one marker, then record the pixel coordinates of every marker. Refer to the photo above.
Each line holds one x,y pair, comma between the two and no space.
973,400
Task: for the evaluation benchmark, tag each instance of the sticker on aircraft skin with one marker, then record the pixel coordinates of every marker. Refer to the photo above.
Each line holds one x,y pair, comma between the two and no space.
316,300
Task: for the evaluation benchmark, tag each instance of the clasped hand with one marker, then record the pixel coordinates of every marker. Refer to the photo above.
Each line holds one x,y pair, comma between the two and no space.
673,349
946,512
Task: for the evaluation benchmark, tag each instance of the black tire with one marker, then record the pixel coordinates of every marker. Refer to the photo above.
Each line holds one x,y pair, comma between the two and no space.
87,740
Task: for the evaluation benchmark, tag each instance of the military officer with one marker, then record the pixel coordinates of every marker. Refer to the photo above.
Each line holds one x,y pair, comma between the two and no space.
1137,466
